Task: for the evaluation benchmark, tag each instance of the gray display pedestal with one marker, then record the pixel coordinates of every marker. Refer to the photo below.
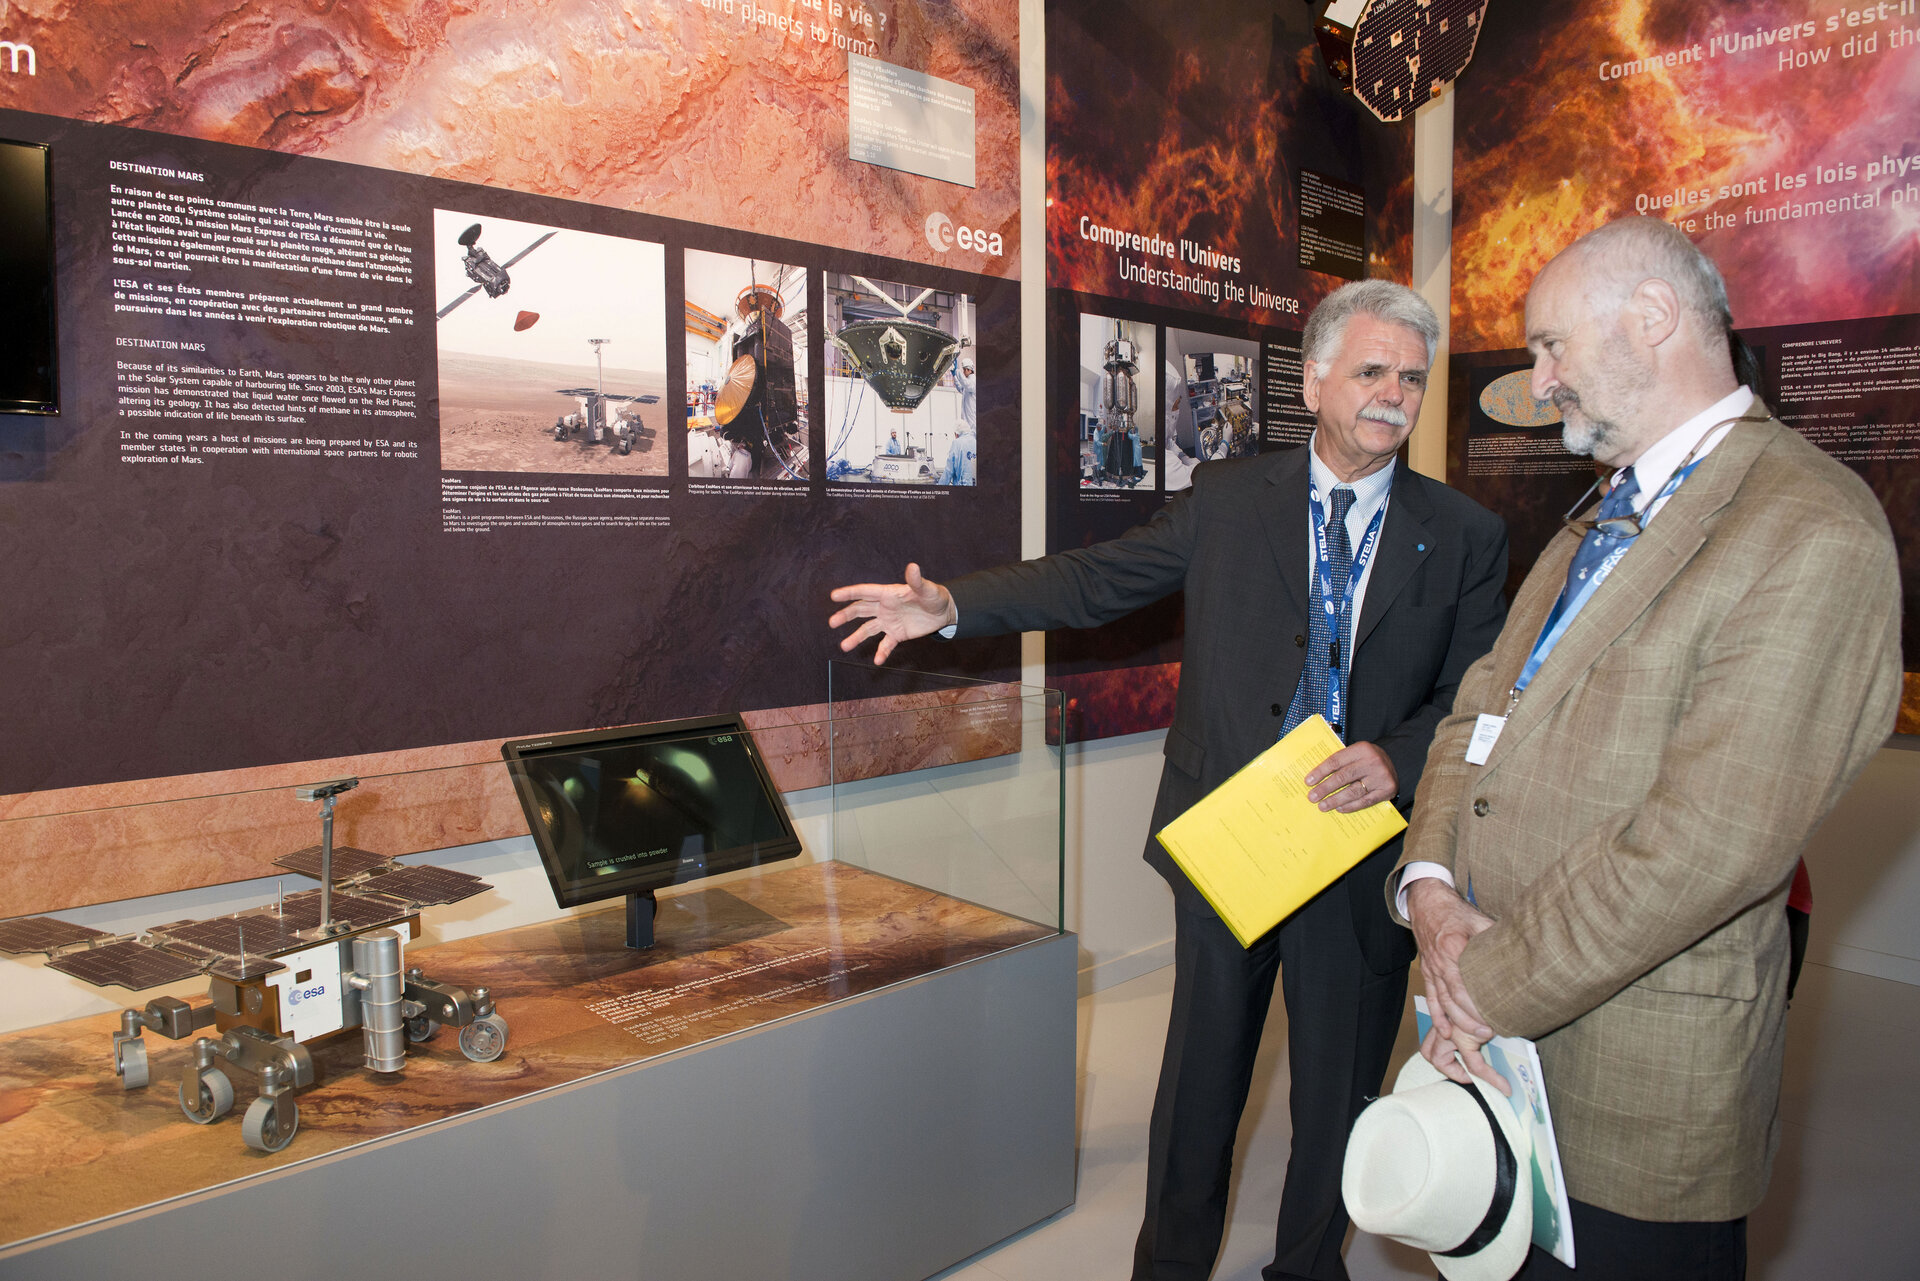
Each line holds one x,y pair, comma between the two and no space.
882,1138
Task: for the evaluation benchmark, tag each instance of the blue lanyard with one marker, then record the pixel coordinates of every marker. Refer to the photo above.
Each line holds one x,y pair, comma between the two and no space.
1565,610
1338,616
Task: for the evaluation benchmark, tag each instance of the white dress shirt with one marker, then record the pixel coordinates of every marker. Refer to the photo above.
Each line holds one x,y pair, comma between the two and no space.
1369,496
1653,469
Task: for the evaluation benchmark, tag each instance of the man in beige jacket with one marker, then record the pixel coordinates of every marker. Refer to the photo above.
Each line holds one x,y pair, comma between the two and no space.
1608,823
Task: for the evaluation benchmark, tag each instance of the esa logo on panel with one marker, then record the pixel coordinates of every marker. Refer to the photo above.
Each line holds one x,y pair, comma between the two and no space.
943,235
295,995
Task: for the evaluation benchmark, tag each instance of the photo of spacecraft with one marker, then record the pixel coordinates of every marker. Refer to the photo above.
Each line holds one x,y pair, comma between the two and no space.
1220,393
318,963
570,312
1117,449
746,325
487,274
902,384
1212,401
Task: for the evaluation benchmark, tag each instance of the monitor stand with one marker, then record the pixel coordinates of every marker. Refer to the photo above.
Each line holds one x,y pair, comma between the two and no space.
640,912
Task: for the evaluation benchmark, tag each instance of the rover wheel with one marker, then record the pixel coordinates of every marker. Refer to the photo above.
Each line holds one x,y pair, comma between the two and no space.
421,1028
130,1061
626,444
212,1101
484,1039
261,1125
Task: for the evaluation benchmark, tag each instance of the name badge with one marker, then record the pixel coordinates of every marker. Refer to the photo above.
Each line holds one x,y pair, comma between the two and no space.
1486,732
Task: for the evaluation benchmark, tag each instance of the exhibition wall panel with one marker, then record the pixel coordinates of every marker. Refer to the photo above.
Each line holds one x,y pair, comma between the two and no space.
430,378
1207,183
1779,137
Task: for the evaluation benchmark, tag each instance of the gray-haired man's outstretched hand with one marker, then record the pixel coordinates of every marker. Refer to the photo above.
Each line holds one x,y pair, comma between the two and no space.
894,612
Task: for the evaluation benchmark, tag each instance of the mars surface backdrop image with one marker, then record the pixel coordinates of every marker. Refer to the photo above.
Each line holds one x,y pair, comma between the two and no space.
666,107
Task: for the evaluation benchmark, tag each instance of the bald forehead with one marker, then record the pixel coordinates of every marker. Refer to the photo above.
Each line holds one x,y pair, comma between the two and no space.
1562,293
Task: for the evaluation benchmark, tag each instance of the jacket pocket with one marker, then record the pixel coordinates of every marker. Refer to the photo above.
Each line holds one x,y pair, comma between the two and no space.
1183,753
1722,964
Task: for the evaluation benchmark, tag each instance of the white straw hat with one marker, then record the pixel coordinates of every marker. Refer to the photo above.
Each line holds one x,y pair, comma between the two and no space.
1445,1168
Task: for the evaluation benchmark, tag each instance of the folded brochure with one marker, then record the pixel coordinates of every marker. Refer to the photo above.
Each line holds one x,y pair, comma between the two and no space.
1517,1060
1258,849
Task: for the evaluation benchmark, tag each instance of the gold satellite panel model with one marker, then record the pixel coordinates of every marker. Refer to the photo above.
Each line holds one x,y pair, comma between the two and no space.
1397,54
736,389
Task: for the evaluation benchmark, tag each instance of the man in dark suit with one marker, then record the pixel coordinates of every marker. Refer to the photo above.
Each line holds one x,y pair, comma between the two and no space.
1325,580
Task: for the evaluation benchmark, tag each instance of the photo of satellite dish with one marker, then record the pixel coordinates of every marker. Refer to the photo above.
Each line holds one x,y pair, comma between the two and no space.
902,384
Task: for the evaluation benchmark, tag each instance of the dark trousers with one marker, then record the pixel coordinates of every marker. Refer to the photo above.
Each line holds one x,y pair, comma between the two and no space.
1612,1247
1341,1022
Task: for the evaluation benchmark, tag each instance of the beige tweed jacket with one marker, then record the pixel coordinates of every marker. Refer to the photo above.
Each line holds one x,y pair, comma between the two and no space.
1635,828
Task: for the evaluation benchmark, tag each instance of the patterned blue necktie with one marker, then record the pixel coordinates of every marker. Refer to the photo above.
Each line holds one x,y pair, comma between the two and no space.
1310,695
1597,546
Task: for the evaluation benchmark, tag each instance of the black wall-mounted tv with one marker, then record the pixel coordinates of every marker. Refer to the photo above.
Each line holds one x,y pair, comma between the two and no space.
629,811
29,372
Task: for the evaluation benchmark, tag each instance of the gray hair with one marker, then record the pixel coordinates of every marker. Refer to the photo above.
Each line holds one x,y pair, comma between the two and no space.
1383,300
1622,255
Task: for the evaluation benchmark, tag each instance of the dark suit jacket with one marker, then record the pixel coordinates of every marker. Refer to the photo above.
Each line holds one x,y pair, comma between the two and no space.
1237,544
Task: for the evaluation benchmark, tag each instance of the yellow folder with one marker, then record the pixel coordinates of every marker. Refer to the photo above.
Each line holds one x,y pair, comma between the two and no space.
1257,848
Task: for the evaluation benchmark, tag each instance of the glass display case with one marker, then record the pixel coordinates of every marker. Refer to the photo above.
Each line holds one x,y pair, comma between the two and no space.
202,984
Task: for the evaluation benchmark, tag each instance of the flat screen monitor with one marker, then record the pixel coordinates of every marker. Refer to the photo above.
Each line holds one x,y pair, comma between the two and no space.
29,376
628,811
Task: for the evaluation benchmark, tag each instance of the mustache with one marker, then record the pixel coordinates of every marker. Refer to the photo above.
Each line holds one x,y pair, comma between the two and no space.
1564,398
1385,413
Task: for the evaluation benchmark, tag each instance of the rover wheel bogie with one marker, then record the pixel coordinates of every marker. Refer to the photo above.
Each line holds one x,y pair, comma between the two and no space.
210,1100
263,1128
484,1039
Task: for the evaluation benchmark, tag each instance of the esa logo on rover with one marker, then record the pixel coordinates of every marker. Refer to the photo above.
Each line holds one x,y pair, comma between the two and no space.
942,234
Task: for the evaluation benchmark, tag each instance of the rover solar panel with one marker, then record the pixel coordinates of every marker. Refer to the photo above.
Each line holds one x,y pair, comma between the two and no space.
302,911
127,964
348,862
244,969
424,885
43,934
234,947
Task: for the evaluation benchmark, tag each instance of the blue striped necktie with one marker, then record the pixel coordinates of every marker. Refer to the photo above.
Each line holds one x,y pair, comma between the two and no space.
1596,546
1310,695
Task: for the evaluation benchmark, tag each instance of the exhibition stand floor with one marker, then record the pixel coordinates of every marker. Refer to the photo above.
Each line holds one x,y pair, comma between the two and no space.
1841,1203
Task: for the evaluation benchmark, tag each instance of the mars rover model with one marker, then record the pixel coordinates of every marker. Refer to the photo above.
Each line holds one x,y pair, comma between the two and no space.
612,418
279,977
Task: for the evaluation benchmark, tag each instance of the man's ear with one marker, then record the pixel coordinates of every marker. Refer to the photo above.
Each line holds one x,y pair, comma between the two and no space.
1310,386
1655,310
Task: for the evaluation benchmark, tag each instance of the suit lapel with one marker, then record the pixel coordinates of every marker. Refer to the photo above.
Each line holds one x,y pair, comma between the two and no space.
1285,520
1404,543
1660,553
